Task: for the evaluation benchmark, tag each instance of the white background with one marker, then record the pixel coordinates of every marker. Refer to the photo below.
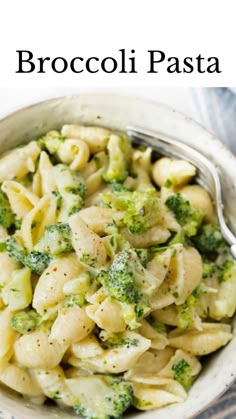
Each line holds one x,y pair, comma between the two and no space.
101,27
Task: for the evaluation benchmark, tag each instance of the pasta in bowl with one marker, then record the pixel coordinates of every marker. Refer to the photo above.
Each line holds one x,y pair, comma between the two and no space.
117,280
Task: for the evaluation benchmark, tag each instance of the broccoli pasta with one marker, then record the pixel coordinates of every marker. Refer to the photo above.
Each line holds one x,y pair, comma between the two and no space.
115,279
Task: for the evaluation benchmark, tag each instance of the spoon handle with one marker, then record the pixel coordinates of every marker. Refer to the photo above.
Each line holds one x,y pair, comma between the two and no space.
233,250
207,173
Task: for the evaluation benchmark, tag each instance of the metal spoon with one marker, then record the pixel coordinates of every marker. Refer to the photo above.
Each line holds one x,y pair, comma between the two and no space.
207,175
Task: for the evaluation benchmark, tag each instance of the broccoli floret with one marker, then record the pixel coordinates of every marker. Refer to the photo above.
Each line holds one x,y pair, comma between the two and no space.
186,313
168,183
74,301
142,209
51,141
76,290
228,270
199,291
56,239
179,206
119,187
7,217
223,304
58,199
37,262
119,153
209,268
71,187
189,218
16,249
117,200
183,373
123,395
116,340
144,256
209,241
121,279
25,321
101,397
193,308
131,284
158,326
102,277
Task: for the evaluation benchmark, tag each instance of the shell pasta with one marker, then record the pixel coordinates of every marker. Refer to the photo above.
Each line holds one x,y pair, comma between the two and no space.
115,279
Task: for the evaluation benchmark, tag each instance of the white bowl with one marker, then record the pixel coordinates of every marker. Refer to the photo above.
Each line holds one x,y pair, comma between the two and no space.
117,112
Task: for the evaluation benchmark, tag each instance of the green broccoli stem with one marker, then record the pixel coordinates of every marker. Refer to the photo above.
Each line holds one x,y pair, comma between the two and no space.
7,218
56,239
25,321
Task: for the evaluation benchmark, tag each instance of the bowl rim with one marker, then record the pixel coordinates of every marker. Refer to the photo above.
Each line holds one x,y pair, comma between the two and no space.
188,119
13,112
